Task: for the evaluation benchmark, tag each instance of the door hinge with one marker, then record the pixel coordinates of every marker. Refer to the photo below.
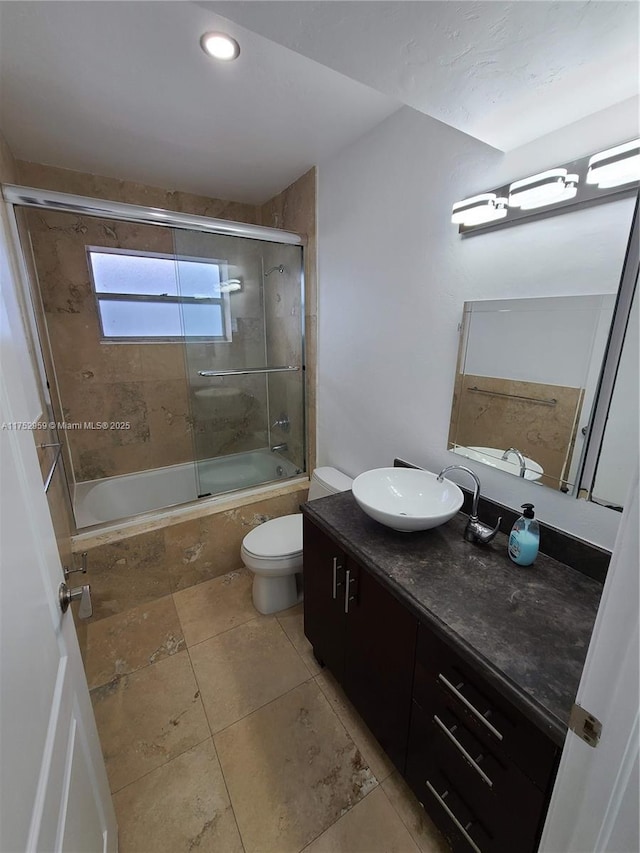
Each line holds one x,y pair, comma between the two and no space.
585,725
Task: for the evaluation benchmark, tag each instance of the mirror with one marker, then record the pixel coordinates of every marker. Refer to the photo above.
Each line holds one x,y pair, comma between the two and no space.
526,383
529,366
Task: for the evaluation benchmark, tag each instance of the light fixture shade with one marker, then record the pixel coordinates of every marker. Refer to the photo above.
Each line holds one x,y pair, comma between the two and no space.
479,209
220,46
615,166
231,285
549,187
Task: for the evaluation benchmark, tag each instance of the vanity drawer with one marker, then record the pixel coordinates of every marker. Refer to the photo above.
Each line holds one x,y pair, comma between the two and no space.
503,807
443,678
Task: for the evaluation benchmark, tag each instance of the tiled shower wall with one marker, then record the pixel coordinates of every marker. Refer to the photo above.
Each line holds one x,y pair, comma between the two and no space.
146,384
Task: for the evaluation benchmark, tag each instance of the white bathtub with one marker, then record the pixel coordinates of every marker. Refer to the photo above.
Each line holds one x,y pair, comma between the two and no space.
100,501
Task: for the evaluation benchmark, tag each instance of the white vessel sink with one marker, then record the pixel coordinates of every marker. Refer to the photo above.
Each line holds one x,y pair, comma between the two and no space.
491,456
406,498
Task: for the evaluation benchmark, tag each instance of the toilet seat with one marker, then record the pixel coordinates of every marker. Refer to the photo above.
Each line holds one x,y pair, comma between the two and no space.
275,540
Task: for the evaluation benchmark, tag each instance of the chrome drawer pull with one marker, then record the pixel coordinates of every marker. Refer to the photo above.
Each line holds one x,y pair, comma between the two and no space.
335,577
463,751
468,705
347,590
440,800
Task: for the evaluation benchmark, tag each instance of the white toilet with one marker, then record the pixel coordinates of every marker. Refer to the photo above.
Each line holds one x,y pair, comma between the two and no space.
273,550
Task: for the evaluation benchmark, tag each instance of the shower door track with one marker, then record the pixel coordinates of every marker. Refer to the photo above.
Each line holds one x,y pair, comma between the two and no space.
87,206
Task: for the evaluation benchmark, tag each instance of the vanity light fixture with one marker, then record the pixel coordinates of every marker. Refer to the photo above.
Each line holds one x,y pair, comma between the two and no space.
550,187
220,46
615,166
478,209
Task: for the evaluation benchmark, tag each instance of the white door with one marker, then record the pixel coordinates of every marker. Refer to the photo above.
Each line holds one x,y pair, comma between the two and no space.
594,806
54,794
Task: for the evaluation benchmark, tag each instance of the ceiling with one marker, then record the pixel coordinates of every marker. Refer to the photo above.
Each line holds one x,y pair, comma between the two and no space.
122,88
504,72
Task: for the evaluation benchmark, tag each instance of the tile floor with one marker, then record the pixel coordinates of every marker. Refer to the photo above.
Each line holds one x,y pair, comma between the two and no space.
221,734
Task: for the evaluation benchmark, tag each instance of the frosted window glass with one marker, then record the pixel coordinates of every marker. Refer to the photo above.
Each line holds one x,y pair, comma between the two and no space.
202,321
137,276
140,274
198,279
141,320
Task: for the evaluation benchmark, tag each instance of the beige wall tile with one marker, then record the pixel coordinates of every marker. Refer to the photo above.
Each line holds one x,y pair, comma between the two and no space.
291,770
129,641
182,806
371,826
128,573
99,186
8,164
244,669
148,718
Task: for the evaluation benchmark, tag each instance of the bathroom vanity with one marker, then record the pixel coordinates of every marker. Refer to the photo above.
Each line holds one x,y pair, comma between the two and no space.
463,665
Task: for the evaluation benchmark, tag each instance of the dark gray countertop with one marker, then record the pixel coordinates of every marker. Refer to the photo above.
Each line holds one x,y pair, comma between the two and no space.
525,629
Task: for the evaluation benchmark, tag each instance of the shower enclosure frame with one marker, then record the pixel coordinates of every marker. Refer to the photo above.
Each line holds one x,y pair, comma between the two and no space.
15,195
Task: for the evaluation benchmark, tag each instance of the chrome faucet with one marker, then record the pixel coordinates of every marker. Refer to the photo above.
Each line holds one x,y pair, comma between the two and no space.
521,459
475,531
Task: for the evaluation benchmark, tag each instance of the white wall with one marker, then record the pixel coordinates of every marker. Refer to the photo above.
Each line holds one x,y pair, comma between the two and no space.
393,277
547,340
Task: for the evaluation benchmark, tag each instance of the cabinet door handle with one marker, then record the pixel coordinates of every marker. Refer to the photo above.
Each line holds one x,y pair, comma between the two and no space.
336,583
347,589
468,705
462,751
442,803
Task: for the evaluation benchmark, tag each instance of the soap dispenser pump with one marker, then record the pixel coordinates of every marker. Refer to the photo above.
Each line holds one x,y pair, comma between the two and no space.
524,540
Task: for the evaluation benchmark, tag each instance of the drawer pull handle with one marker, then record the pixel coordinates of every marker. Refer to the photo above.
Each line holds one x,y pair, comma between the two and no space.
347,590
468,705
463,751
442,803
336,583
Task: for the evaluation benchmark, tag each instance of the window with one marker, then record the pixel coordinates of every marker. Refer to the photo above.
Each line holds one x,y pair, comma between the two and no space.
153,297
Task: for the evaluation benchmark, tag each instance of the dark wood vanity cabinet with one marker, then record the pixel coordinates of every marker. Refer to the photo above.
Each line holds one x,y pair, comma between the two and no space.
481,769
363,635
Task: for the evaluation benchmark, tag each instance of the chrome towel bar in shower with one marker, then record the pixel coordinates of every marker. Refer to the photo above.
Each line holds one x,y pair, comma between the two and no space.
56,459
247,370
544,402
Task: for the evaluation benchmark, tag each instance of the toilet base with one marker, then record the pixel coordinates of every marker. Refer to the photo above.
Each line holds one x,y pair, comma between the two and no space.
273,594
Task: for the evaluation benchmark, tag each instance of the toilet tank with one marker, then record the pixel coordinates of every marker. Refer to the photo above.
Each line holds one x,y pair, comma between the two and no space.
328,481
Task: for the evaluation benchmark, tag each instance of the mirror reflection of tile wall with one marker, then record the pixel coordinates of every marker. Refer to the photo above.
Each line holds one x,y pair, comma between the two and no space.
527,376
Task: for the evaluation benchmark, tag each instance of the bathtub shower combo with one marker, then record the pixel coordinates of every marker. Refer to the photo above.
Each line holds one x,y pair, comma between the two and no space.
173,347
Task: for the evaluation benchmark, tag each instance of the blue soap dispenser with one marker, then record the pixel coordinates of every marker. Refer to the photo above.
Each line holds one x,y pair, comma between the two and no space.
524,540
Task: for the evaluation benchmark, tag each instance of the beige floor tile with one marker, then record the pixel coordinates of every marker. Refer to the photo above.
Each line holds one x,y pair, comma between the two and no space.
311,663
424,832
371,826
245,668
182,806
291,770
371,750
148,718
128,641
292,622
215,606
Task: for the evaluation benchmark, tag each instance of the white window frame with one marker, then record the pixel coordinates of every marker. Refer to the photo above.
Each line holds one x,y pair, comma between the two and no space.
223,300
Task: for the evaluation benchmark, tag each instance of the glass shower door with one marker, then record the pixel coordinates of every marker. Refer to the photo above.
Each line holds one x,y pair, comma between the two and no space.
244,358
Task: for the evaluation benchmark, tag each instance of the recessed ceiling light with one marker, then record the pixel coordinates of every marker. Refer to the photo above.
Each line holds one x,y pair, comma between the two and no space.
220,46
